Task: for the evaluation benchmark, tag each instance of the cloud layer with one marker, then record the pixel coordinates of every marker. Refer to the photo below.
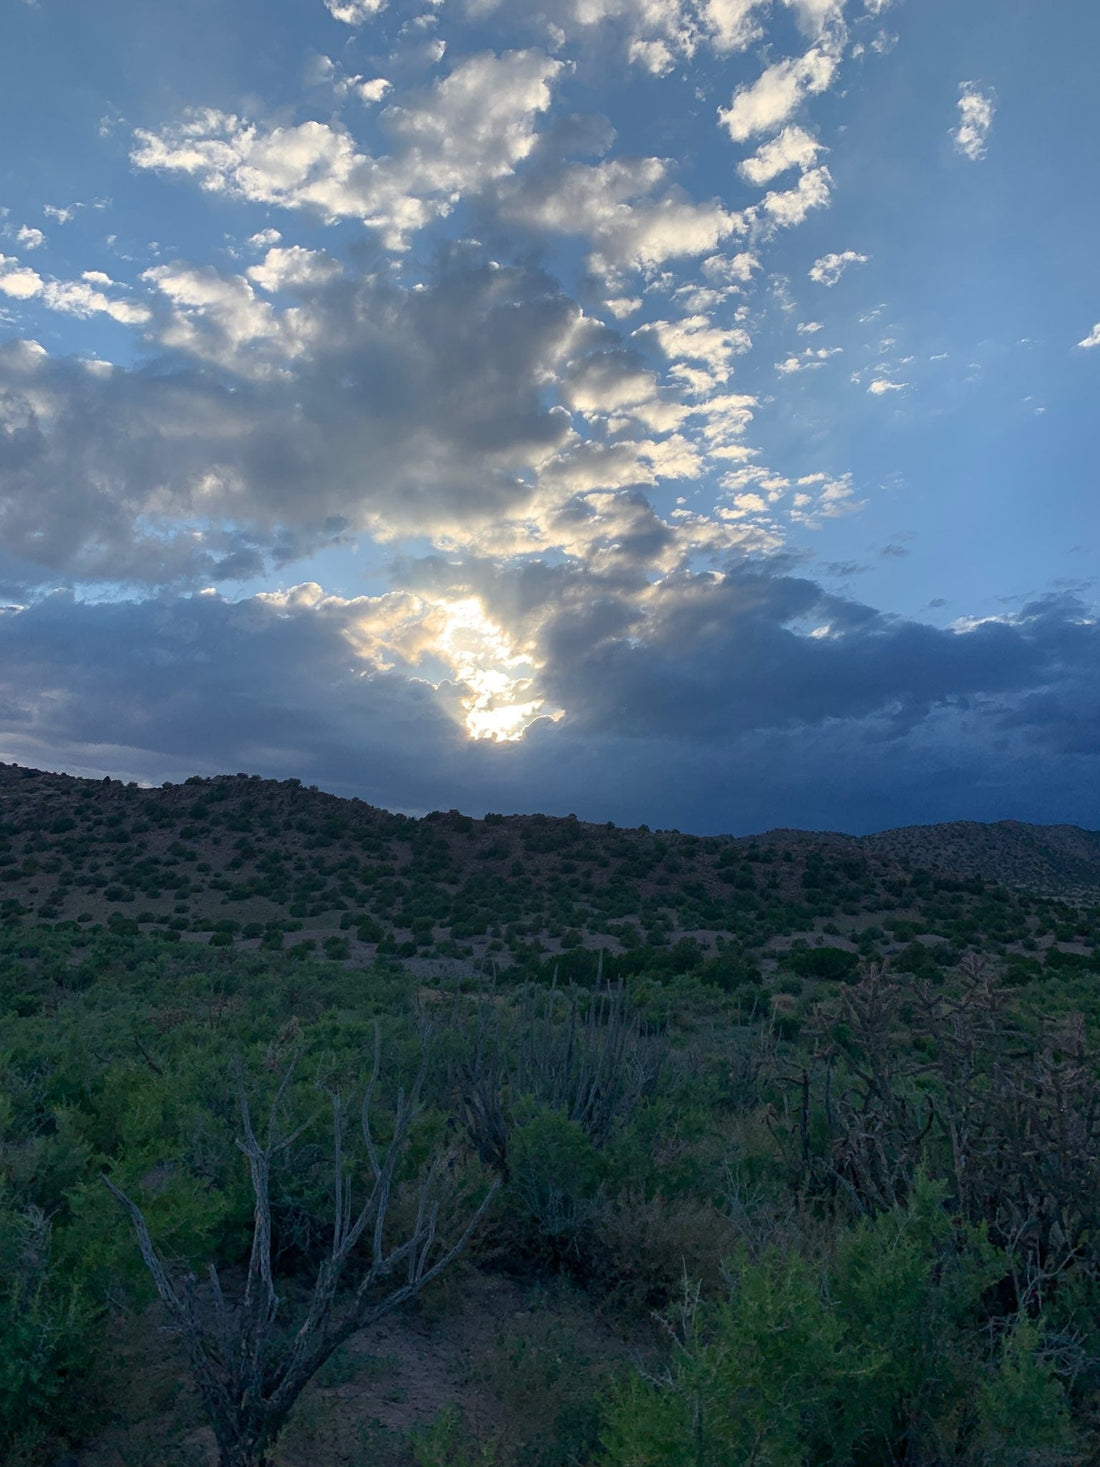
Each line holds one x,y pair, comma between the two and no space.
786,687
493,404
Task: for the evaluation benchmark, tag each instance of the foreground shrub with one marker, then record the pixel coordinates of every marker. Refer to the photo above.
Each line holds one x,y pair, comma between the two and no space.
877,1355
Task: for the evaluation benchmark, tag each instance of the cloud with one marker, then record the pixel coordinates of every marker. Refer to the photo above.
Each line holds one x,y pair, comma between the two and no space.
829,268
793,148
724,702
732,24
354,12
778,92
372,90
1088,342
220,318
294,266
470,128
654,34
18,281
30,238
823,497
817,16
808,359
697,339
628,210
790,207
976,109
408,412
80,298
656,57
70,297
881,386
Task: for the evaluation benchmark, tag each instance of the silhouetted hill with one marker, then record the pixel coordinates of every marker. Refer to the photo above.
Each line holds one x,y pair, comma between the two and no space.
237,859
1059,860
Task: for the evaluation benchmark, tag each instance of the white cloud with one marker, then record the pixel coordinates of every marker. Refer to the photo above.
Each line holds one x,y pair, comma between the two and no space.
881,386
732,24
18,281
220,318
793,148
976,109
70,297
829,268
293,267
779,91
809,328
817,16
61,215
791,206
731,269
371,91
823,497
655,57
354,12
473,126
30,238
79,298
264,239
630,214
1092,339
323,71
476,124
697,339
809,359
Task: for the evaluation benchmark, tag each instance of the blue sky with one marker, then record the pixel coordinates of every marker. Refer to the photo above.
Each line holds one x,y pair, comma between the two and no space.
666,410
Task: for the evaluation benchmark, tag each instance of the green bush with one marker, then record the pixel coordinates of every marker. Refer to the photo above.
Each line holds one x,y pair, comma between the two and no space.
47,1330
823,962
551,1197
876,1354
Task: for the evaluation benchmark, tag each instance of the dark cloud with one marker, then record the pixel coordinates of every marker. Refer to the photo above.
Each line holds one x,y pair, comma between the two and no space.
397,410
711,711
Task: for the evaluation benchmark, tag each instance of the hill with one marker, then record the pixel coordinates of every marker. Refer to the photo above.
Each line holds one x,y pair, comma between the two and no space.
749,1123
1061,860
237,860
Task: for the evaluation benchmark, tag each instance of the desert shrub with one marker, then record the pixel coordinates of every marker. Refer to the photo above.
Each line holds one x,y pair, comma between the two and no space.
876,1353
550,1388
646,1243
552,1197
47,1331
823,962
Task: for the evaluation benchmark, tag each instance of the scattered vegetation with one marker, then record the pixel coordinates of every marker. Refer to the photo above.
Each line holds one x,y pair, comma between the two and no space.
674,1151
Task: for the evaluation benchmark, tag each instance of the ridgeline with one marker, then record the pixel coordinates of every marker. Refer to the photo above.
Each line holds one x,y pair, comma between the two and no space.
241,861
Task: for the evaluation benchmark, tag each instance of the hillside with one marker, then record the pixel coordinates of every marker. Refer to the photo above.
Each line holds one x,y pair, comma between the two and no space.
237,860
755,1120
1060,860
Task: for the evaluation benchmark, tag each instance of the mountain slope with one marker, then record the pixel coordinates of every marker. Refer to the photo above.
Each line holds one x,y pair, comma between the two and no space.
238,859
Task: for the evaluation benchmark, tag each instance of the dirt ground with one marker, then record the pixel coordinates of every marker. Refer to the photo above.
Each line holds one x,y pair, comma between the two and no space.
490,1346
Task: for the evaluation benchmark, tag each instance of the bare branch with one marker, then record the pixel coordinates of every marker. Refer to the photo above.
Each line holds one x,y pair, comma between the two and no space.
248,1370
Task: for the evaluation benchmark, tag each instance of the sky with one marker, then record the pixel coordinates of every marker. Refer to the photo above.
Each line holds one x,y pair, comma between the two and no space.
666,411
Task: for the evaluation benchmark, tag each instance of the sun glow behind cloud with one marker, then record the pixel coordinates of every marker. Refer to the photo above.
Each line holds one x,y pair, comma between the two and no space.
499,697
